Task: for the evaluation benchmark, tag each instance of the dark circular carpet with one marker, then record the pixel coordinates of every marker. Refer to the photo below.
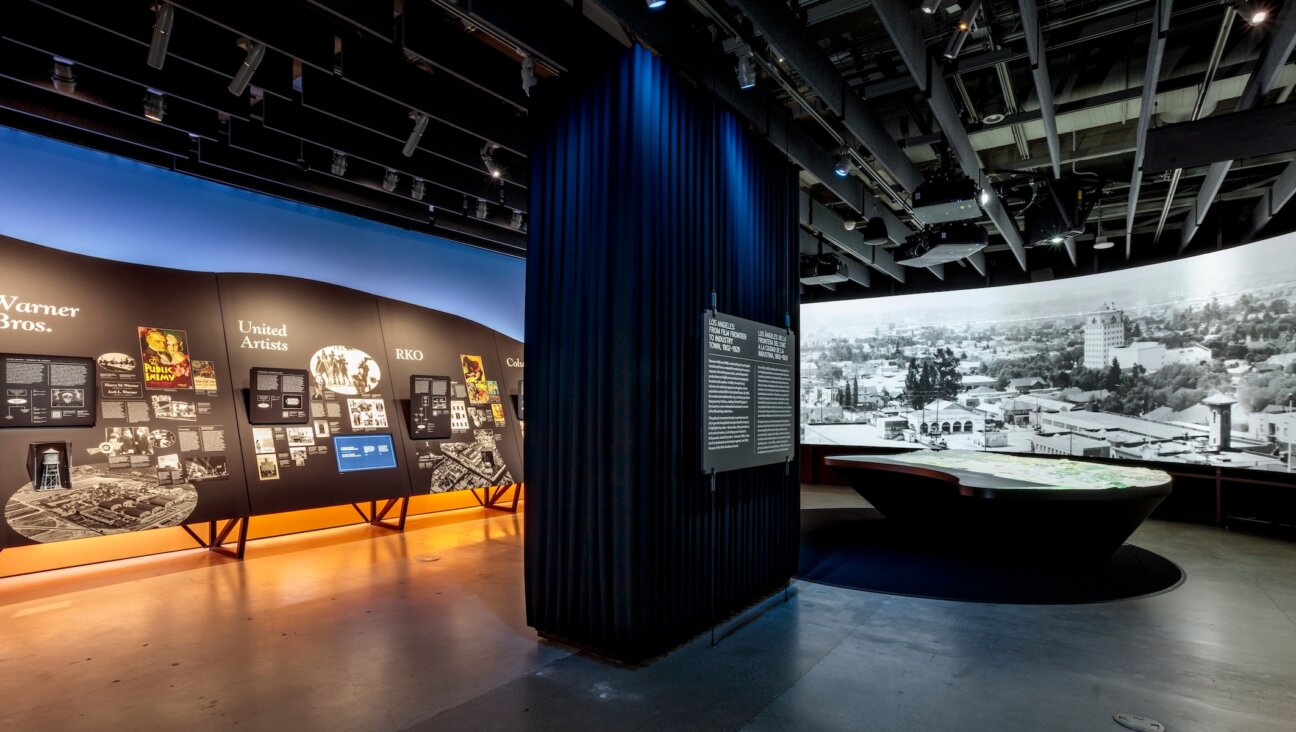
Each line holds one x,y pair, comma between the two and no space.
859,549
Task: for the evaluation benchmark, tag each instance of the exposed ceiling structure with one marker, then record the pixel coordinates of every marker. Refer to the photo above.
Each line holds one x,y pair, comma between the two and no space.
1173,113
412,113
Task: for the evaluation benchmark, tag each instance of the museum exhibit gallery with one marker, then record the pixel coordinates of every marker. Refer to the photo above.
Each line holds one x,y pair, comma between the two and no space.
890,364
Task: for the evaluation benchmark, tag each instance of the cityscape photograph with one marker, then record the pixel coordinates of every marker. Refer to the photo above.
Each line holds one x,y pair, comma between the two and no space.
1188,361
101,501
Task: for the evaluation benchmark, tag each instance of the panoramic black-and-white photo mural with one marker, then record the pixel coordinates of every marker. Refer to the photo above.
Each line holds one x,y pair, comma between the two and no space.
1188,361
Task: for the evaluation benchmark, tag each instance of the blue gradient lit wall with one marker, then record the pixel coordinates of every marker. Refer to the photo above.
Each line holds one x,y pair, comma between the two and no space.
78,200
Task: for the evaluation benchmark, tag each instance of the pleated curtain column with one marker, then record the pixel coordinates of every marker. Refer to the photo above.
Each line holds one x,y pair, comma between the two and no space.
646,197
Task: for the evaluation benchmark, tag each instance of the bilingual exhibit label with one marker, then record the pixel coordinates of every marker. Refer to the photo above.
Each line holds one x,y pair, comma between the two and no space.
749,391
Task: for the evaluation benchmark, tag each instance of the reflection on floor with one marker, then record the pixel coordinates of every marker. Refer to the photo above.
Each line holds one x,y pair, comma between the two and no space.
360,629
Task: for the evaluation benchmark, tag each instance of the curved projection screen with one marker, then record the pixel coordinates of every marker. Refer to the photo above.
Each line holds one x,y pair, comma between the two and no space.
1189,361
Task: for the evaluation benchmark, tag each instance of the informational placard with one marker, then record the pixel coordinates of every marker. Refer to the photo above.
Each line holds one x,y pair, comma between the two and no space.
278,396
429,415
135,426
47,391
748,395
364,452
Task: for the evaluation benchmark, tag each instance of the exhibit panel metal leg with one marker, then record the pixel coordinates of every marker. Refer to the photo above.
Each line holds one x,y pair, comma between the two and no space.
378,516
493,497
218,535
1219,498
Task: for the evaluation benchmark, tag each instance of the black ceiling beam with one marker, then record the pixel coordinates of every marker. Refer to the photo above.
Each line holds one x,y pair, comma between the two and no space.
784,30
1277,50
347,102
1151,73
1222,138
669,34
71,114
304,35
552,30
1016,50
288,151
1043,86
195,42
1273,200
963,65
1186,81
334,134
44,30
104,99
366,193
426,30
896,18
244,170
382,69
376,17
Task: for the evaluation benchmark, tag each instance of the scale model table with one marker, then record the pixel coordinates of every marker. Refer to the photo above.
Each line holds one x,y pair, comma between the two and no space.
1034,508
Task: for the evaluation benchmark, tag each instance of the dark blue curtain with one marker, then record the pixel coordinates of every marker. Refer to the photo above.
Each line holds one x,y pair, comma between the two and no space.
645,198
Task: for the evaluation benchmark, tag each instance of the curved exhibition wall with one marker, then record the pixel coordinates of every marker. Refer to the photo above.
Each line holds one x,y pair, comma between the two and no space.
1191,361
139,397
88,202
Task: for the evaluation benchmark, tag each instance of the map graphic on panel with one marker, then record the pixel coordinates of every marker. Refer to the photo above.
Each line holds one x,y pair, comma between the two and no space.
482,449
134,439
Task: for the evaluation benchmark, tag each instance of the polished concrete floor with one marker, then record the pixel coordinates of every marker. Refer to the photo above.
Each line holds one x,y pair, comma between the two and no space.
359,629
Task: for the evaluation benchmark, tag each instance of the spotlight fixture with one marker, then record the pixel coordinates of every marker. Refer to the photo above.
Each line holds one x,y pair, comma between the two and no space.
488,159
842,168
482,210
516,220
62,76
161,34
154,105
416,134
984,197
339,164
992,112
1057,240
962,30
874,230
930,6
1250,13
528,73
745,70
654,4
418,189
255,53
390,179
1101,242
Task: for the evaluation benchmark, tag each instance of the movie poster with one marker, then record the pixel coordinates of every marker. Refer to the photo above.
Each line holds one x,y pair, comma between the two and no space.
497,413
204,376
475,379
492,392
165,357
